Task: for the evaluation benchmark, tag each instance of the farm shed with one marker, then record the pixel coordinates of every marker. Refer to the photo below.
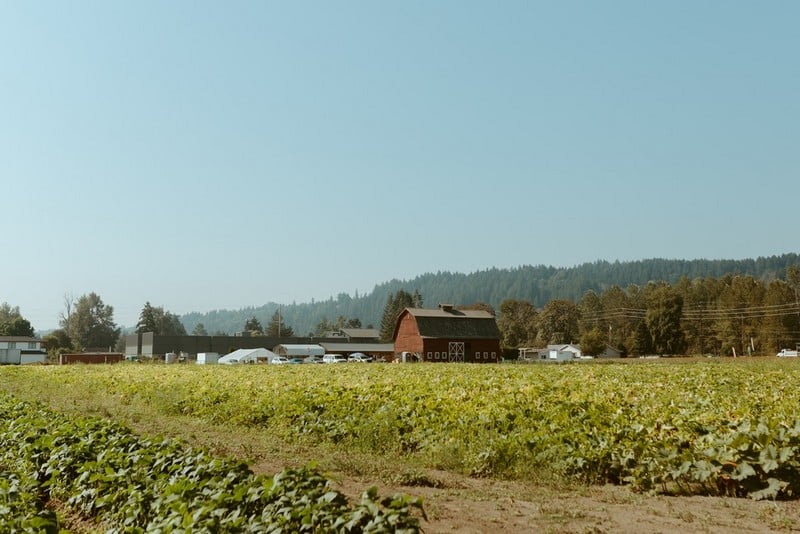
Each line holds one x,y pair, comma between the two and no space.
448,335
91,357
298,351
204,358
260,355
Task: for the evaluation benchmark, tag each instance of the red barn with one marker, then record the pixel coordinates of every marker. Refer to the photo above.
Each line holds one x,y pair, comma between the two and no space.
448,335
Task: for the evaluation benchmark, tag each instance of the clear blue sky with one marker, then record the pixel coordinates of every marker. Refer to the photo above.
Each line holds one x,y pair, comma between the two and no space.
207,155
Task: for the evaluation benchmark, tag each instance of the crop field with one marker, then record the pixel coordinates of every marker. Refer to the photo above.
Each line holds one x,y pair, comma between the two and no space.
706,427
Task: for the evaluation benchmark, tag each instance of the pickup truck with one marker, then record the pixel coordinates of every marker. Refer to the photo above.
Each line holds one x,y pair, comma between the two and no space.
786,353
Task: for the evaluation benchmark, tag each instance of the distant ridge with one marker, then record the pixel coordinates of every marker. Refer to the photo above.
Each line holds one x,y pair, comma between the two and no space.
536,284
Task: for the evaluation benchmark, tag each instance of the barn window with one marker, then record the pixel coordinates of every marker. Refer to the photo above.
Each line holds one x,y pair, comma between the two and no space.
485,355
430,355
436,356
494,355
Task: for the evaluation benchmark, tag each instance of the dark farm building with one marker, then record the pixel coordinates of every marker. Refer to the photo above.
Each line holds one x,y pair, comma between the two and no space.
448,335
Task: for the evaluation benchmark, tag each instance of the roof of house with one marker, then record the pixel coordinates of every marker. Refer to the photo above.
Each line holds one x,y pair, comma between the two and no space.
453,323
19,339
565,347
361,333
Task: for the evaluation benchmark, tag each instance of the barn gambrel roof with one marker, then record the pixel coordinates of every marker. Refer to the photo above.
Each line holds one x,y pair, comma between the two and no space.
452,323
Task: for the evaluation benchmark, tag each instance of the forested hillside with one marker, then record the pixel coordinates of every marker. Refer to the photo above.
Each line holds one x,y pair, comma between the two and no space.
536,284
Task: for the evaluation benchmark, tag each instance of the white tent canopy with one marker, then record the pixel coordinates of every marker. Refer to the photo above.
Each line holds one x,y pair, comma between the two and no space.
248,356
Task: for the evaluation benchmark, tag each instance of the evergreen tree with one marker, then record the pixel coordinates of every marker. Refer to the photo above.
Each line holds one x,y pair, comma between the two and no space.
558,323
155,319
147,320
395,304
388,319
253,326
199,330
170,324
323,327
277,328
641,344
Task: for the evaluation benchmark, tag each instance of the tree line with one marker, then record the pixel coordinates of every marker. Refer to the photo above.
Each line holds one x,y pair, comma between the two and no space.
752,307
536,284
732,315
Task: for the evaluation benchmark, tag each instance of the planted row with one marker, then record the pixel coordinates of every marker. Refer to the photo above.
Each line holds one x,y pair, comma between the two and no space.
132,484
714,427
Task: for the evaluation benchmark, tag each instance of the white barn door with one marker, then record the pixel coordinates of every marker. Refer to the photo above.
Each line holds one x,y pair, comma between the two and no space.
456,351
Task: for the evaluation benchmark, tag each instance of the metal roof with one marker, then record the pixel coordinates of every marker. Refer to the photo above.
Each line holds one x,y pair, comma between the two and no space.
289,349
362,333
452,323
358,347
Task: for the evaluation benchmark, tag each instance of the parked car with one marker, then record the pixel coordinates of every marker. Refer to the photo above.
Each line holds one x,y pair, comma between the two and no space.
334,358
313,359
278,360
359,357
296,360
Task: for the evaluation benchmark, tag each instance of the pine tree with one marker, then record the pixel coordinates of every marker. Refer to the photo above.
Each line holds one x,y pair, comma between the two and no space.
147,320
277,328
253,326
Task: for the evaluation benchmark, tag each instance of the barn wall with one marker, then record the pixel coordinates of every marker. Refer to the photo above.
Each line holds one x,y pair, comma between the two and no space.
491,348
408,339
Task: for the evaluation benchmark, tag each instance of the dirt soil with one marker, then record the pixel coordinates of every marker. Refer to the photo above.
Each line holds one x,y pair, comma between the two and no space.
471,505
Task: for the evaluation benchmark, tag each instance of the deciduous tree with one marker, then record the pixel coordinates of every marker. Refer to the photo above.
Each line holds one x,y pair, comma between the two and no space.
593,342
517,323
12,323
91,324
558,323
663,320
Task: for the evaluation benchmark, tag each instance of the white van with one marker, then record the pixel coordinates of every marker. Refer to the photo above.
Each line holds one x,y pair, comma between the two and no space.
334,358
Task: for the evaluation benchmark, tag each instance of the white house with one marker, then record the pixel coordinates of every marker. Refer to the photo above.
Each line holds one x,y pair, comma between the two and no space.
562,352
21,349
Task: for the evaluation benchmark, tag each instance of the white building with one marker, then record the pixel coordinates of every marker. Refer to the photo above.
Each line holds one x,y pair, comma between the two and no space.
21,349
